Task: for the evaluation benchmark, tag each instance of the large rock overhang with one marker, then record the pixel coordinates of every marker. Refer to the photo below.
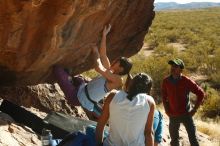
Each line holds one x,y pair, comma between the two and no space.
35,35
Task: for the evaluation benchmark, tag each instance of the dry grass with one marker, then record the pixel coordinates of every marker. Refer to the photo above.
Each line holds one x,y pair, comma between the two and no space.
209,128
210,144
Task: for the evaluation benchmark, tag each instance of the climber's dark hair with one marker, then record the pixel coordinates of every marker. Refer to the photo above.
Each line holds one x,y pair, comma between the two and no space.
141,83
126,64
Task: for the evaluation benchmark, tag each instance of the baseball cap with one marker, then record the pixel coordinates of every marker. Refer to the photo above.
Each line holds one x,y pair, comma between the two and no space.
177,62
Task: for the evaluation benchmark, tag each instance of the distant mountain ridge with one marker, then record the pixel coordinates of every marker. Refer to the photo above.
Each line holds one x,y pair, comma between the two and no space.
194,5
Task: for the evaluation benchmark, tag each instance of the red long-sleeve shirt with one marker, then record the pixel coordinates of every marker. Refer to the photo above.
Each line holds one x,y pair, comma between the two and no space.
176,95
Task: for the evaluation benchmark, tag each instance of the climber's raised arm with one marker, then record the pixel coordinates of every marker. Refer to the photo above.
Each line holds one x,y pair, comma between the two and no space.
100,68
102,49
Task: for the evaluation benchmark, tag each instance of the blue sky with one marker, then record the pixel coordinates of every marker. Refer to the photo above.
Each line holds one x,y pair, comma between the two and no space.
187,1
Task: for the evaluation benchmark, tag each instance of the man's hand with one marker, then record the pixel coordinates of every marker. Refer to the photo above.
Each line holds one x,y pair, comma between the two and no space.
106,30
192,112
166,107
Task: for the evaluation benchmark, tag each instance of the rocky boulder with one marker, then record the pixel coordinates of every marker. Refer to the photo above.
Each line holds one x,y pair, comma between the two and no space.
36,34
44,97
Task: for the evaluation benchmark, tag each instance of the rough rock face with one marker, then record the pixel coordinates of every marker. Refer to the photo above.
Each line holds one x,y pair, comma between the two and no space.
44,97
13,134
36,34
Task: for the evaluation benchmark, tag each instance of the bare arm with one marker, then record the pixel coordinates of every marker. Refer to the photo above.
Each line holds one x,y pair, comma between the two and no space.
149,134
102,49
103,120
103,71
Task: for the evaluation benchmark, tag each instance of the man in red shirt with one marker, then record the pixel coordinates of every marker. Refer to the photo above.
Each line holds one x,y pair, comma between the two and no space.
175,92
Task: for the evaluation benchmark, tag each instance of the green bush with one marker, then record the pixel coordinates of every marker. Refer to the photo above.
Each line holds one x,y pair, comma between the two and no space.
201,39
215,76
91,73
211,104
154,66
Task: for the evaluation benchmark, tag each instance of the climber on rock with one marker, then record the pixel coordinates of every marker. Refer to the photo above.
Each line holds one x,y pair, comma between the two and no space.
88,94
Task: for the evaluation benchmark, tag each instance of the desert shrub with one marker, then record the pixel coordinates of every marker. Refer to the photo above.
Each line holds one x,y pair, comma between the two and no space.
191,64
211,105
208,127
152,39
189,37
164,50
91,73
199,58
155,66
215,76
188,27
172,36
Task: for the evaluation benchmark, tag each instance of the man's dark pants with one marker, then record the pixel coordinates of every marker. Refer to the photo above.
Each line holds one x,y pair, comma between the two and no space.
174,126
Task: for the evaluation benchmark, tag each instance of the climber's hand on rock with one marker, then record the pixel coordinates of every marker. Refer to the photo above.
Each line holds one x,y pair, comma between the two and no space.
107,30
